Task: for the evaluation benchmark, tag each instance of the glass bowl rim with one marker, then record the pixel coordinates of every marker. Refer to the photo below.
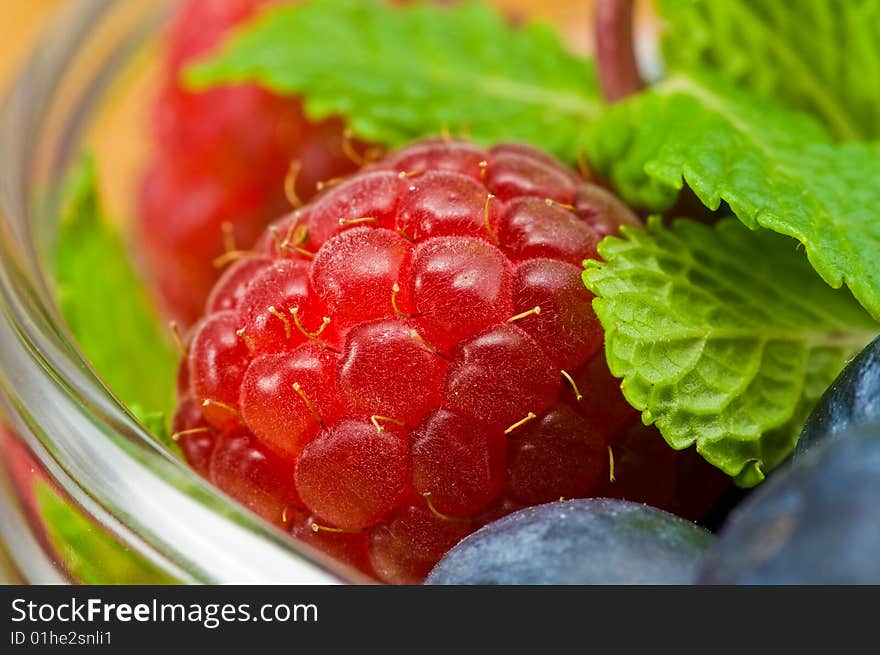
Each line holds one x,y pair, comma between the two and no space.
212,539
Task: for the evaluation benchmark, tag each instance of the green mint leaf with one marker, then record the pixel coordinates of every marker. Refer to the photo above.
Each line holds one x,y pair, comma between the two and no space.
157,424
724,337
401,73
776,169
90,555
821,56
105,305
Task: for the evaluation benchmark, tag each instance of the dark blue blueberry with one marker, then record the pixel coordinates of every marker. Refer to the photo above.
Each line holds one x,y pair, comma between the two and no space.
852,399
592,541
817,521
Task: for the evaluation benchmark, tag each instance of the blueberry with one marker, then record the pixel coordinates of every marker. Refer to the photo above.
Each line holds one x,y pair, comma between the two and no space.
593,541
817,521
853,399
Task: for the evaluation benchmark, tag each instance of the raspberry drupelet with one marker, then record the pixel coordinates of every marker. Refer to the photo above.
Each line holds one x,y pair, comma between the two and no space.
411,355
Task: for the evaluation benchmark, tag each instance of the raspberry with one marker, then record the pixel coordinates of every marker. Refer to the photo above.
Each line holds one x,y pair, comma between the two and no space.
406,390
416,349
406,547
459,286
248,472
279,418
351,548
500,375
352,474
221,157
354,273
560,455
218,359
461,461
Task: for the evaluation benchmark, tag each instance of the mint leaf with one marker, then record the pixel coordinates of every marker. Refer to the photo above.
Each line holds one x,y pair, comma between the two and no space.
723,336
105,305
401,73
90,555
776,169
821,56
157,424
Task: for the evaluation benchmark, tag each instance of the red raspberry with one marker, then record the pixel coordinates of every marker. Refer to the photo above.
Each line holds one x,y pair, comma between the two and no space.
222,156
416,346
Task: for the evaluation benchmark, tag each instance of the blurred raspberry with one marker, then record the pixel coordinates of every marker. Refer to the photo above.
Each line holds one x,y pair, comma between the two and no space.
221,156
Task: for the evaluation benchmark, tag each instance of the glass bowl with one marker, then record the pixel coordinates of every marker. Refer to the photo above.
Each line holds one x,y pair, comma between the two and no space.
86,494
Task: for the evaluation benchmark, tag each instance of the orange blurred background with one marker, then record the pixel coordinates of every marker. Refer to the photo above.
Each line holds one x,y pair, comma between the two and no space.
117,138
20,24
22,20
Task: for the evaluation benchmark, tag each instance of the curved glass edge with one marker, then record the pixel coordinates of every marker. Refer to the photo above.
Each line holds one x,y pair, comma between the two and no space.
99,460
